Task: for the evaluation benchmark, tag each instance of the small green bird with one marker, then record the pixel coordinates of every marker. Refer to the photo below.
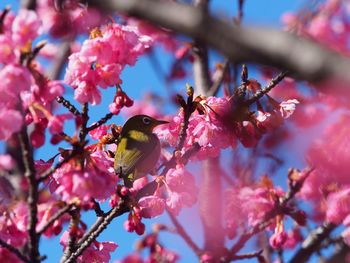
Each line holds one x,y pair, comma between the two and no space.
138,148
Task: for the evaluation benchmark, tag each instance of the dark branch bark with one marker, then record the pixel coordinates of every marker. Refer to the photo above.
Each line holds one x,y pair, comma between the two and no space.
92,235
32,200
312,242
14,251
260,45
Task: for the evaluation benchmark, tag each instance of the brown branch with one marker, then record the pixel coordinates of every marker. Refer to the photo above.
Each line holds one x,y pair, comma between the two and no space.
71,246
14,251
239,44
85,118
218,81
32,199
181,231
28,4
50,171
102,121
92,235
260,93
68,105
312,242
56,216
247,256
340,253
200,55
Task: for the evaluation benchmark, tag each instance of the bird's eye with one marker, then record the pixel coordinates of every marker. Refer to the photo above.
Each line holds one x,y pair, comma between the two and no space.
146,120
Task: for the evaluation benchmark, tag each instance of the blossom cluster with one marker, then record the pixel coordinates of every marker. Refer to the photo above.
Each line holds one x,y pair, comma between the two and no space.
219,126
102,58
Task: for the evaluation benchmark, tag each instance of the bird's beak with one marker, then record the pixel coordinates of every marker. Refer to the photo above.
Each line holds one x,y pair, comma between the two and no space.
161,122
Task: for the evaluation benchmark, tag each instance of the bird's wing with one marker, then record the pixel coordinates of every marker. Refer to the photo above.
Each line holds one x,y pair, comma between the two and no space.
131,151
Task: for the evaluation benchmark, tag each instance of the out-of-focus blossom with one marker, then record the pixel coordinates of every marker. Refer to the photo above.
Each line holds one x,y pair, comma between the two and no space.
13,225
7,54
11,122
6,162
288,107
151,206
158,35
338,206
181,189
25,27
14,79
72,19
7,256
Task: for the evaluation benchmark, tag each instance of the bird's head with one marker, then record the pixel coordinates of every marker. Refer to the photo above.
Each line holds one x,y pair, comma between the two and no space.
142,123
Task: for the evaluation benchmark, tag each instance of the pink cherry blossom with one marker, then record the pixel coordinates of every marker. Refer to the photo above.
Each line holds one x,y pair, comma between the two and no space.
73,19
288,107
98,252
25,27
6,162
11,122
8,257
181,189
7,54
338,206
99,132
13,225
278,239
70,181
101,60
56,122
151,206
14,79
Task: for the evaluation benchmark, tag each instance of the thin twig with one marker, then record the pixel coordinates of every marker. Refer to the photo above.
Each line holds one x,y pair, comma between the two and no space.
71,246
92,235
247,256
100,122
260,93
312,242
2,18
14,251
280,205
50,171
181,231
68,105
85,118
56,216
28,4
28,161
218,81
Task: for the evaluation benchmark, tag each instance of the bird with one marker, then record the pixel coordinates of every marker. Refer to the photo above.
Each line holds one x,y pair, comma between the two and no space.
138,148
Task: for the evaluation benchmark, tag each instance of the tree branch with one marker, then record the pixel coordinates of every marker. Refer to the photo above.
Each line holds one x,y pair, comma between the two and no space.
32,199
56,216
239,44
312,242
92,235
14,251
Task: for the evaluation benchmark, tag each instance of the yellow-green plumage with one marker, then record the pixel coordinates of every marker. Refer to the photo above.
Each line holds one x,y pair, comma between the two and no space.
138,148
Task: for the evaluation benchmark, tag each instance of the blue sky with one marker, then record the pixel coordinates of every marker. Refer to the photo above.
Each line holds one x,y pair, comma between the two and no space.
140,79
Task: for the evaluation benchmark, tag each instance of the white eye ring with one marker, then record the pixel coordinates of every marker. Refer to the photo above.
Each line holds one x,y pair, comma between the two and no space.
146,120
